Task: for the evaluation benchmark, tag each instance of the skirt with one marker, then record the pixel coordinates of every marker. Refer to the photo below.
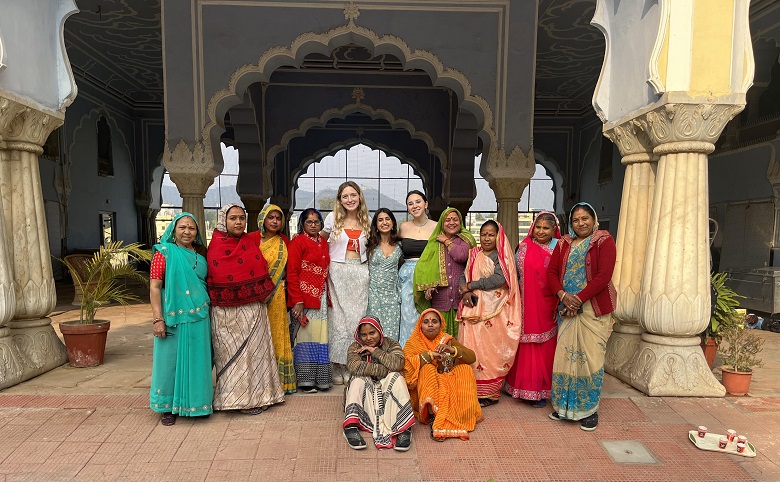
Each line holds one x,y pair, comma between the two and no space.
310,347
409,313
380,407
348,287
247,373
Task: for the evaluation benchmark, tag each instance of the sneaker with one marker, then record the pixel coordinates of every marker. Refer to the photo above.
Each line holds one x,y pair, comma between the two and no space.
354,439
555,416
590,422
404,441
336,376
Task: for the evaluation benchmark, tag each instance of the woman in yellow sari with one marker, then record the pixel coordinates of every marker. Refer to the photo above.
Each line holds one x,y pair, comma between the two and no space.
273,246
441,382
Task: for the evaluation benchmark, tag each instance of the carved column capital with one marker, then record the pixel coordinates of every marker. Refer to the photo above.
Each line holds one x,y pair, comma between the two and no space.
183,159
632,141
692,124
23,126
512,167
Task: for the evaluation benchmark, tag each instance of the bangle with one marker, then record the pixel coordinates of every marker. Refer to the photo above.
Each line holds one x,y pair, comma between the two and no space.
158,319
422,355
456,352
562,296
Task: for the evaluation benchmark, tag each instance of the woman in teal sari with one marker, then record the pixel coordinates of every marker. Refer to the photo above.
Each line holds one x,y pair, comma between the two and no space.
181,364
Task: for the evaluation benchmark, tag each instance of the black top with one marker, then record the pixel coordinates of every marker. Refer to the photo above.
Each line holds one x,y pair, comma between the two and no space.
413,248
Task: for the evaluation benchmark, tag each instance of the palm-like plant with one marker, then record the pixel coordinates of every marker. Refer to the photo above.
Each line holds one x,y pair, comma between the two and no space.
726,302
98,278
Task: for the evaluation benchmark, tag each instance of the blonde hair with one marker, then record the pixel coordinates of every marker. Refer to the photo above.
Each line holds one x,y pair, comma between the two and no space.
340,214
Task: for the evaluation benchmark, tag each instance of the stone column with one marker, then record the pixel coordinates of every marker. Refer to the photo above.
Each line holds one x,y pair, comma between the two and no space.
508,176
24,128
192,170
634,220
253,203
674,301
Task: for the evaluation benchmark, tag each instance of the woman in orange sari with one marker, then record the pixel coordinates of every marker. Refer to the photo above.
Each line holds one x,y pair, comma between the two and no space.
441,382
490,311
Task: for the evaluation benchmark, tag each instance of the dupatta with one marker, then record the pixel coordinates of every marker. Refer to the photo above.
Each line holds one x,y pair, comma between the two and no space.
431,269
539,302
274,249
490,305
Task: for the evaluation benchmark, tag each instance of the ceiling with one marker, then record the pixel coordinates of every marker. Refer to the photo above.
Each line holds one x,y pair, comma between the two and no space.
117,46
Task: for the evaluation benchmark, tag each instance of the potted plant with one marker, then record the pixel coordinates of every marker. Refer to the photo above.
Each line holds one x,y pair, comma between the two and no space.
725,302
100,281
740,348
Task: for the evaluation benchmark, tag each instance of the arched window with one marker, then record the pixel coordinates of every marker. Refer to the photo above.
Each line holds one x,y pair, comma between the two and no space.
221,192
384,180
537,196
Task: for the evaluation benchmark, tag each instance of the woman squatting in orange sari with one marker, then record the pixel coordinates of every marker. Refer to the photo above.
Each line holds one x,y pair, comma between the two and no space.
441,381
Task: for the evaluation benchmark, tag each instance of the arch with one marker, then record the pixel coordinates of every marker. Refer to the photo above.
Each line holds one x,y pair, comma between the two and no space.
102,111
155,187
2,55
555,173
324,43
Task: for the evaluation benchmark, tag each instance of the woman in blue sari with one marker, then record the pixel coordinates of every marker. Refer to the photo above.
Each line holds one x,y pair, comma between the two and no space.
181,364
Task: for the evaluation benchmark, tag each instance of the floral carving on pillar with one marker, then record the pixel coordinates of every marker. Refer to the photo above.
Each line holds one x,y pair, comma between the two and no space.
508,175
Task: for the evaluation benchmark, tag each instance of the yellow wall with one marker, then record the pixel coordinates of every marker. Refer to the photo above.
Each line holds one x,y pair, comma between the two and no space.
713,31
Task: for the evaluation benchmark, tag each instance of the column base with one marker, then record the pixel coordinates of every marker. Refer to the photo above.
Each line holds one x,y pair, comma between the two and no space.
31,348
673,366
622,349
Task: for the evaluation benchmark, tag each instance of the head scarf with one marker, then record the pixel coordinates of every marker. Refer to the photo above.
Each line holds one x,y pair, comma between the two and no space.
573,233
267,210
222,216
184,296
304,215
431,271
557,228
418,342
168,235
238,273
373,321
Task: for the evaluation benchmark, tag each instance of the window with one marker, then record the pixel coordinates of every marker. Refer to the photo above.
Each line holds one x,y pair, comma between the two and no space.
537,196
384,180
105,155
221,192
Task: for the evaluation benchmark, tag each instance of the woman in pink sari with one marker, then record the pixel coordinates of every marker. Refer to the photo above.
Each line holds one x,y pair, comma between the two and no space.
531,376
490,314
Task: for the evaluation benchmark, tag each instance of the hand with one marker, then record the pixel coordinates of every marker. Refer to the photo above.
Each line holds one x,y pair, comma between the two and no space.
466,299
445,348
442,238
429,293
571,302
366,350
297,310
435,355
464,288
159,329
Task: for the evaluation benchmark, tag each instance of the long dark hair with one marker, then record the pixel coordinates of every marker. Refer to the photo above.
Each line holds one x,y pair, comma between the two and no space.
375,237
305,214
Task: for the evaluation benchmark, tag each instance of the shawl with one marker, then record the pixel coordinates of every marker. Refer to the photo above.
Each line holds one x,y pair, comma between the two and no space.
238,273
486,309
274,249
419,343
184,295
373,321
573,233
538,300
431,269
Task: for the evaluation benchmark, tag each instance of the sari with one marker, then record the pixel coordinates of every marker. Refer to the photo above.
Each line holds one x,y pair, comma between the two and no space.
377,399
274,250
448,398
247,373
492,326
384,297
530,378
578,369
437,269
181,362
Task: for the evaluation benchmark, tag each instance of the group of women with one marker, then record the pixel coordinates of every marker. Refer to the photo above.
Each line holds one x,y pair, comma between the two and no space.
416,320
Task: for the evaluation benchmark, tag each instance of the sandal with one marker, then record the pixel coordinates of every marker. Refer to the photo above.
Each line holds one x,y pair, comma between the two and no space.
255,411
538,403
590,422
168,419
486,402
354,439
309,390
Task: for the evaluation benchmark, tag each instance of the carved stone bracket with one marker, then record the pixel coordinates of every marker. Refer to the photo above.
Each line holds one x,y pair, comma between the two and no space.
508,175
687,122
184,159
21,123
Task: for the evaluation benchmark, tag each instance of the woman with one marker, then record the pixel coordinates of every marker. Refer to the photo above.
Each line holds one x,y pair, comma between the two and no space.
239,286
440,267
440,379
530,378
414,238
377,399
273,246
346,229
307,296
181,362
580,275
384,253
490,310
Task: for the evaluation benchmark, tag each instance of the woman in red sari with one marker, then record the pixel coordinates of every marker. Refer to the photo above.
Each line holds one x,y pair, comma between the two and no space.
531,376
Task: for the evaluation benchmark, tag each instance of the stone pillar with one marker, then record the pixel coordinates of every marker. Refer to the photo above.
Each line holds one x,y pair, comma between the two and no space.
508,176
192,170
23,130
674,301
147,217
633,224
253,203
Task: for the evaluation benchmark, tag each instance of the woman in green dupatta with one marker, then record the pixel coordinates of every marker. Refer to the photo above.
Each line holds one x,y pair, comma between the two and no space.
181,364
273,246
438,271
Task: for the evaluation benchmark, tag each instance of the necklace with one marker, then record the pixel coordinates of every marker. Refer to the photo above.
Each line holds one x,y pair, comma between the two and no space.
423,224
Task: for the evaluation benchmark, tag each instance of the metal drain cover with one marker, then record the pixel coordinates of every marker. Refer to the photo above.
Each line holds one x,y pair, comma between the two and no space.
628,452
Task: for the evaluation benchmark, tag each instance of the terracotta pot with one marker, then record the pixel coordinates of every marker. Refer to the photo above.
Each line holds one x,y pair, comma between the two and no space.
736,383
86,343
709,346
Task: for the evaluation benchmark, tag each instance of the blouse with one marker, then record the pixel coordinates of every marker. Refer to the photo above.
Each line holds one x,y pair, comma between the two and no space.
338,245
